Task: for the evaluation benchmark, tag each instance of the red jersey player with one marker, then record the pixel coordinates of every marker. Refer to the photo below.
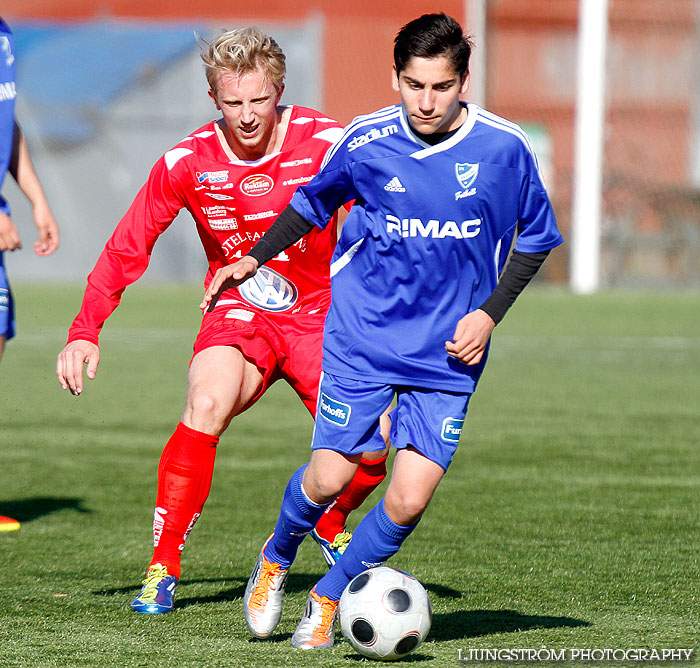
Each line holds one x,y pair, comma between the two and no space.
234,176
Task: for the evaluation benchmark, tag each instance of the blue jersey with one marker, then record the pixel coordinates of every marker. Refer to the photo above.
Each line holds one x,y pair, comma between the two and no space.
425,242
7,102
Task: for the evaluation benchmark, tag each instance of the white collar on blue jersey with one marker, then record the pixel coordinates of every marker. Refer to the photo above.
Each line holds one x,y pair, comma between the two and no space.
464,130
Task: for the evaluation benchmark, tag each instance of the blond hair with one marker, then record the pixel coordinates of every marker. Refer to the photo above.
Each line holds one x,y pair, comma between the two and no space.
241,51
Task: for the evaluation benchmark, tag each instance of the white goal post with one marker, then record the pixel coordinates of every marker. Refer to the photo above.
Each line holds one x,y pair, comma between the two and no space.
588,151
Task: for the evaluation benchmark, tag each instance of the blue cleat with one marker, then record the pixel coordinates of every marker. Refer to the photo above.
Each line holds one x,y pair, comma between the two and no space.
332,551
158,593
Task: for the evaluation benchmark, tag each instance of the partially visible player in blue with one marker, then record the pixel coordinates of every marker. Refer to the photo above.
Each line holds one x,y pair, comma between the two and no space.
14,157
441,191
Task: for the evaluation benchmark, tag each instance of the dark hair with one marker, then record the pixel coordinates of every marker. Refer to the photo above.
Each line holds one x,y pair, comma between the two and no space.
430,36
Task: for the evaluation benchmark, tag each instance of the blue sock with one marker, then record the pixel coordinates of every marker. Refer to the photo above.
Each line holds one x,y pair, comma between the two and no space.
298,516
375,540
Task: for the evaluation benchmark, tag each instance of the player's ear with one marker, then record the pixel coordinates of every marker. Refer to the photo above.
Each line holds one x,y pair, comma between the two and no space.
213,99
465,84
394,79
279,94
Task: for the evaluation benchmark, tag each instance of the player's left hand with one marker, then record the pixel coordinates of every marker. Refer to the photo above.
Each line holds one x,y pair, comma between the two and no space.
228,277
9,236
48,230
471,337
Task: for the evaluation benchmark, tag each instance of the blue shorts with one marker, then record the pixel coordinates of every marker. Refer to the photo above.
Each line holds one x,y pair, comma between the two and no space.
7,311
347,418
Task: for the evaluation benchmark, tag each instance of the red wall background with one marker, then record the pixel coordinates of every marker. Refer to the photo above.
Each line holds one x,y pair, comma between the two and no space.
358,35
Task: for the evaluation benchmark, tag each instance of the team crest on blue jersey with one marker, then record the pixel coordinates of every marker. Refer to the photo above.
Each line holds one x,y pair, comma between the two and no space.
452,429
334,411
269,290
466,175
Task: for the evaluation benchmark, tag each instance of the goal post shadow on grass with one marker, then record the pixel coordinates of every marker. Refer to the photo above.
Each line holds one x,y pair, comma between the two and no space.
462,624
26,510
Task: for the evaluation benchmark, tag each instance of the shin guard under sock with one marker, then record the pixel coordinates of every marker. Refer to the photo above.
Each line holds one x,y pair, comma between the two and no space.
375,540
368,477
298,516
184,479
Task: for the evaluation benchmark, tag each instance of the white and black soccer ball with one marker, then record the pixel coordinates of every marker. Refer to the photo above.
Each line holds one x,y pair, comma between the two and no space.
385,613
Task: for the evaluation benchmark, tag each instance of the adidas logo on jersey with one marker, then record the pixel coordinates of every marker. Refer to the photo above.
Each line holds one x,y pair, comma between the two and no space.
395,186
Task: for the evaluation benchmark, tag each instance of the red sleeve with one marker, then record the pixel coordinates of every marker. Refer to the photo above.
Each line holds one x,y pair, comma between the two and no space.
128,251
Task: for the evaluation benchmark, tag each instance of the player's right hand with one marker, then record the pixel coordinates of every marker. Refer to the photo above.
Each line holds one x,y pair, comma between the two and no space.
69,366
228,277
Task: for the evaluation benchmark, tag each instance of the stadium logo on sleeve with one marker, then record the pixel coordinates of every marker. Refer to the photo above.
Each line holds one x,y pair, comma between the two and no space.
372,135
334,411
269,290
452,429
466,175
256,185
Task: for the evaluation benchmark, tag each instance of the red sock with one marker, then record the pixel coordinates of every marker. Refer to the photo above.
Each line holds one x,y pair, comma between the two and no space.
184,479
369,475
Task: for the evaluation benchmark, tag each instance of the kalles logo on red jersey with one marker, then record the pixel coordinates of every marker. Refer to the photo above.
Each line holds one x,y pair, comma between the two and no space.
256,185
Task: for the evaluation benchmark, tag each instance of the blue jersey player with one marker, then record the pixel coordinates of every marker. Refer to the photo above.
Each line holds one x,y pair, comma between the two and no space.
442,189
14,158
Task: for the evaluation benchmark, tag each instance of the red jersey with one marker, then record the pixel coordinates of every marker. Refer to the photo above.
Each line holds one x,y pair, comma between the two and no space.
233,203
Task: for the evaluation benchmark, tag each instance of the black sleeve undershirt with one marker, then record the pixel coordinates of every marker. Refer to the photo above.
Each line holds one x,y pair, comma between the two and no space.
287,229
290,226
518,273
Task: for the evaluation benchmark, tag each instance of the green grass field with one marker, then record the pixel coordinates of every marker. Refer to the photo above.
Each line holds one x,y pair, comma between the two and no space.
569,519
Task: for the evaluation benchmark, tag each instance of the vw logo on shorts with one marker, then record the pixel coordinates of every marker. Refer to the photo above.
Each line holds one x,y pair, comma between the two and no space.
269,290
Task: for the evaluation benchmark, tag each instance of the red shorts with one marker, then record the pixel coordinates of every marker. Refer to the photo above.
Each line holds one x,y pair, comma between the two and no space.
287,346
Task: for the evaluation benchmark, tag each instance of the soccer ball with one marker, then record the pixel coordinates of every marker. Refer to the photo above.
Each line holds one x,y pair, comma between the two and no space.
384,613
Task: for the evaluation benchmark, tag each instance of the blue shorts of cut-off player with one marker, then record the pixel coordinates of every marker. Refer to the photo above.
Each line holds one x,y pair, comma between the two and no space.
7,313
347,419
